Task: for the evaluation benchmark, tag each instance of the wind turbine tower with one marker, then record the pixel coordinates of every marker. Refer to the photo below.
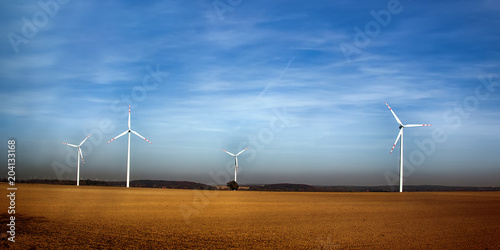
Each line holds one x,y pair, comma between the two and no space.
235,161
129,130
401,127
80,155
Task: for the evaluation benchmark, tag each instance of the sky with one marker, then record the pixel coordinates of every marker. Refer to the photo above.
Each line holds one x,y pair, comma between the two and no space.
303,84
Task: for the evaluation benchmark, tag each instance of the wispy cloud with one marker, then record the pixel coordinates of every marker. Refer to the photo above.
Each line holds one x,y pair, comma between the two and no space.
222,81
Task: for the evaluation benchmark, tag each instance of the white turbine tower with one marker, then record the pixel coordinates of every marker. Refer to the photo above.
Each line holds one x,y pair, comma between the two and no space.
401,127
80,155
129,130
235,160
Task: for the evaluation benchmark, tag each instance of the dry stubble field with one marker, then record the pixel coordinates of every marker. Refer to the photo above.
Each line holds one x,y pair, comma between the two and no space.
49,216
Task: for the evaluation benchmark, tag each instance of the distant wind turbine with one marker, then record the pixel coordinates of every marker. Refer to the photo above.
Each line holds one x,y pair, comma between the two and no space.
401,127
80,155
235,160
129,130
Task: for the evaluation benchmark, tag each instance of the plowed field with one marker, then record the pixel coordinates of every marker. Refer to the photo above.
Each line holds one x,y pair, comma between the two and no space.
52,216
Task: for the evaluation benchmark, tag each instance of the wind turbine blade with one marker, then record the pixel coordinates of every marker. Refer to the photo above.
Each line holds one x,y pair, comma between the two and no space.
242,151
128,116
397,139
81,155
395,116
417,125
236,163
228,152
140,136
72,145
84,140
120,135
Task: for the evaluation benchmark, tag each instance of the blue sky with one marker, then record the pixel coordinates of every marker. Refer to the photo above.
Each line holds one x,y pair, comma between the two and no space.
302,83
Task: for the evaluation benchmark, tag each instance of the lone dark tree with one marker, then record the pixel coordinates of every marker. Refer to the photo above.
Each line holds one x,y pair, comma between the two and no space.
233,185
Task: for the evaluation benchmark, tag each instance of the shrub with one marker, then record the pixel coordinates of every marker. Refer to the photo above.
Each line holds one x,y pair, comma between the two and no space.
233,185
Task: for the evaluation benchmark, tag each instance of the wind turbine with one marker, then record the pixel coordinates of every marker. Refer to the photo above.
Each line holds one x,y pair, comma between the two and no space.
129,130
401,127
80,154
235,160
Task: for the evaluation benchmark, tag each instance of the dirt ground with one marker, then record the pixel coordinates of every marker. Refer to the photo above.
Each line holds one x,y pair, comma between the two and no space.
52,216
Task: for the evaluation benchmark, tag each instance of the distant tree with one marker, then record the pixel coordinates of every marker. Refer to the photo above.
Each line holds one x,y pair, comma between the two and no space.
233,185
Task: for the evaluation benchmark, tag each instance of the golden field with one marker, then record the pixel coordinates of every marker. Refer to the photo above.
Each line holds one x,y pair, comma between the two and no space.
53,216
